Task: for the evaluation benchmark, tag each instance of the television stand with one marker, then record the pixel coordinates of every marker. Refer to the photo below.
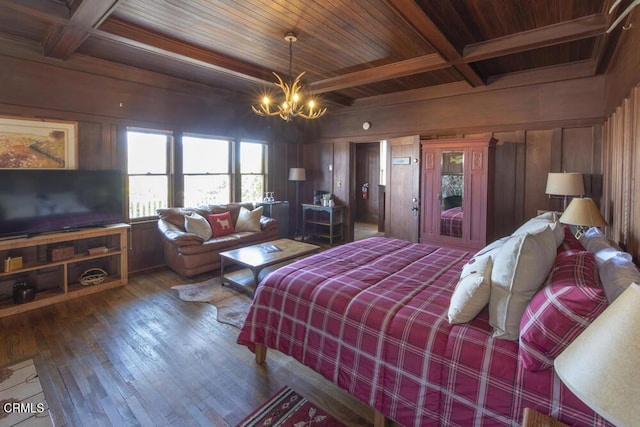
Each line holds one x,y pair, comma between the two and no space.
56,280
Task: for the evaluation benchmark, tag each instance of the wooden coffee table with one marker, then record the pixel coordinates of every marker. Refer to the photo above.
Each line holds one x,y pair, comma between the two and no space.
256,258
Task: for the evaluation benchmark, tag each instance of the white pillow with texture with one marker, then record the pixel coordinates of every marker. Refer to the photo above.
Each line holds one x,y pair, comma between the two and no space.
197,224
471,294
538,223
519,269
604,249
617,274
249,220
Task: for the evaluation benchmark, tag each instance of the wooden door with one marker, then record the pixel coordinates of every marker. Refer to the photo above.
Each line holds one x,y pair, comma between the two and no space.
402,214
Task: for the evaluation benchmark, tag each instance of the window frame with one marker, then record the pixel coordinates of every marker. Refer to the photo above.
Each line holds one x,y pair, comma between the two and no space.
169,168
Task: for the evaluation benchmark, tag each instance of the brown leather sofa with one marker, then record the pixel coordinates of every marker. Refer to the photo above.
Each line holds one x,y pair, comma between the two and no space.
189,254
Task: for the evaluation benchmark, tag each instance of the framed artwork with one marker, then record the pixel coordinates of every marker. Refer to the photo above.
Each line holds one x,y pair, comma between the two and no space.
38,144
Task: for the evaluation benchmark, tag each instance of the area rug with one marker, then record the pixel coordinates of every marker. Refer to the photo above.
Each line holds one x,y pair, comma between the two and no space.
232,305
22,400
289,409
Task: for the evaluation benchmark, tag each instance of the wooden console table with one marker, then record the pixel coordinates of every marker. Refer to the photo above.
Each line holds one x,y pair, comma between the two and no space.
323,221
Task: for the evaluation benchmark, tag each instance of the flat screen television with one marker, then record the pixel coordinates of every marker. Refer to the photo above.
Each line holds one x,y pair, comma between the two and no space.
34,201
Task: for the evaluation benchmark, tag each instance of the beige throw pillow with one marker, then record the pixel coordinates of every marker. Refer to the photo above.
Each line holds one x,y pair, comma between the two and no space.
249,220
197,224
519,269
471,294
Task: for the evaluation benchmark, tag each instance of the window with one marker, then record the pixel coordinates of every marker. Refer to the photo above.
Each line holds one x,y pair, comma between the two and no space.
206,170
252,171
148,170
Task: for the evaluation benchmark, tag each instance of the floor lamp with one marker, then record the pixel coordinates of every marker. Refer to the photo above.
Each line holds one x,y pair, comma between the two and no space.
298,175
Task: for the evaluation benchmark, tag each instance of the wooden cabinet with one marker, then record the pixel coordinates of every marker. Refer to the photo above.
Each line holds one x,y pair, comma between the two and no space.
455,177
278,210
52,265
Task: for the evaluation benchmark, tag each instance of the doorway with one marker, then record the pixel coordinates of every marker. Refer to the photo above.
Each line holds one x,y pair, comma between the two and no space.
368,201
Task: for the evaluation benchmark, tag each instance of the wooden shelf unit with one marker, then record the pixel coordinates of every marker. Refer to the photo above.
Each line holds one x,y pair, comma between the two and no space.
57,281
326,222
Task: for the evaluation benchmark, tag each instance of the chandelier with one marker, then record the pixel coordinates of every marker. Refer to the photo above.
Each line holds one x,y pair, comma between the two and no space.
292,105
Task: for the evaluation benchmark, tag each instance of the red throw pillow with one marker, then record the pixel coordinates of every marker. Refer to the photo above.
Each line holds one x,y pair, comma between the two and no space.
570,243
561,310
221,224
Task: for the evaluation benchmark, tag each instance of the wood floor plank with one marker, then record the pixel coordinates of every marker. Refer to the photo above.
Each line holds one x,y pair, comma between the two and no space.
138,355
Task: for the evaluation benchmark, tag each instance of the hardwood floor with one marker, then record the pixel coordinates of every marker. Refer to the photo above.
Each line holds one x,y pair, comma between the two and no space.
138,355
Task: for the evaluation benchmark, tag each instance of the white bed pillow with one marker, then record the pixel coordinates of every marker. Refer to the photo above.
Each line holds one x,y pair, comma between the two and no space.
472,292
197,224
604,249
519,269
617,274
538,223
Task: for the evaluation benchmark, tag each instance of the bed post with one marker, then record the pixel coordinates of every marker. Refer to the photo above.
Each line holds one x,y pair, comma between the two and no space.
261,353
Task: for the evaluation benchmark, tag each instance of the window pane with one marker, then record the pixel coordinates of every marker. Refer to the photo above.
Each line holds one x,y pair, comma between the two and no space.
252,188
204,155
251,157
206,189
147,153
146,194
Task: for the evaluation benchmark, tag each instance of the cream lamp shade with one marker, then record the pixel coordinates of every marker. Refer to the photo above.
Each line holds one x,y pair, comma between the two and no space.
565,184
601,365
297,174
583,212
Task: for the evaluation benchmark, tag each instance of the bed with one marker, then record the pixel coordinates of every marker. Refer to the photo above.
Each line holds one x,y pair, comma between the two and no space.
372,317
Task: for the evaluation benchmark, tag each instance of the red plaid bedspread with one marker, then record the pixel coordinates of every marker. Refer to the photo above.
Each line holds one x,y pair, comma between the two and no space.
370,316
451,222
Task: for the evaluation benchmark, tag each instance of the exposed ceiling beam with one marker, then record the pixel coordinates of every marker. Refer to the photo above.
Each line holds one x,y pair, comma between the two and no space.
563,32
122,32
63,40
423,25
398,69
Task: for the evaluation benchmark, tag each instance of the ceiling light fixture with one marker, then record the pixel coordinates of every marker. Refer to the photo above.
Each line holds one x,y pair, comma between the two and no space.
291,106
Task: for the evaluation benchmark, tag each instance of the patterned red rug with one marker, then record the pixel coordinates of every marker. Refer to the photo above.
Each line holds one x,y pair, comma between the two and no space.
289,409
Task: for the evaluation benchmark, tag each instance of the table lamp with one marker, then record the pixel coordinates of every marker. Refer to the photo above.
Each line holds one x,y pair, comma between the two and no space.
565,184
583,213
601,365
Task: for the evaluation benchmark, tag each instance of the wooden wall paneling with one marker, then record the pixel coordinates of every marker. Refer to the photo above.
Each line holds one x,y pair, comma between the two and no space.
342,183
633,241
579,154
538,164
93,151
621,142
508,178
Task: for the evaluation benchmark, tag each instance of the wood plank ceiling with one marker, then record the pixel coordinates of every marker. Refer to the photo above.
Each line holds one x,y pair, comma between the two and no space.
350,50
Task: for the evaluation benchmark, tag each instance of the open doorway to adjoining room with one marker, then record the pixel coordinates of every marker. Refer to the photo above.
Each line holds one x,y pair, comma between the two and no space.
370,162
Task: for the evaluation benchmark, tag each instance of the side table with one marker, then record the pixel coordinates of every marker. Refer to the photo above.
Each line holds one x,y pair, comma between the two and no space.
323,221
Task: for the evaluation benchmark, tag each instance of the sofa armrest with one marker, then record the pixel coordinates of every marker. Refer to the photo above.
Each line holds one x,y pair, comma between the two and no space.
267,223
177,236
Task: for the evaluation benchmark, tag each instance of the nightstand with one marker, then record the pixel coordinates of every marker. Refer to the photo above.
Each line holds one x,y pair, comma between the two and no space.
533,418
